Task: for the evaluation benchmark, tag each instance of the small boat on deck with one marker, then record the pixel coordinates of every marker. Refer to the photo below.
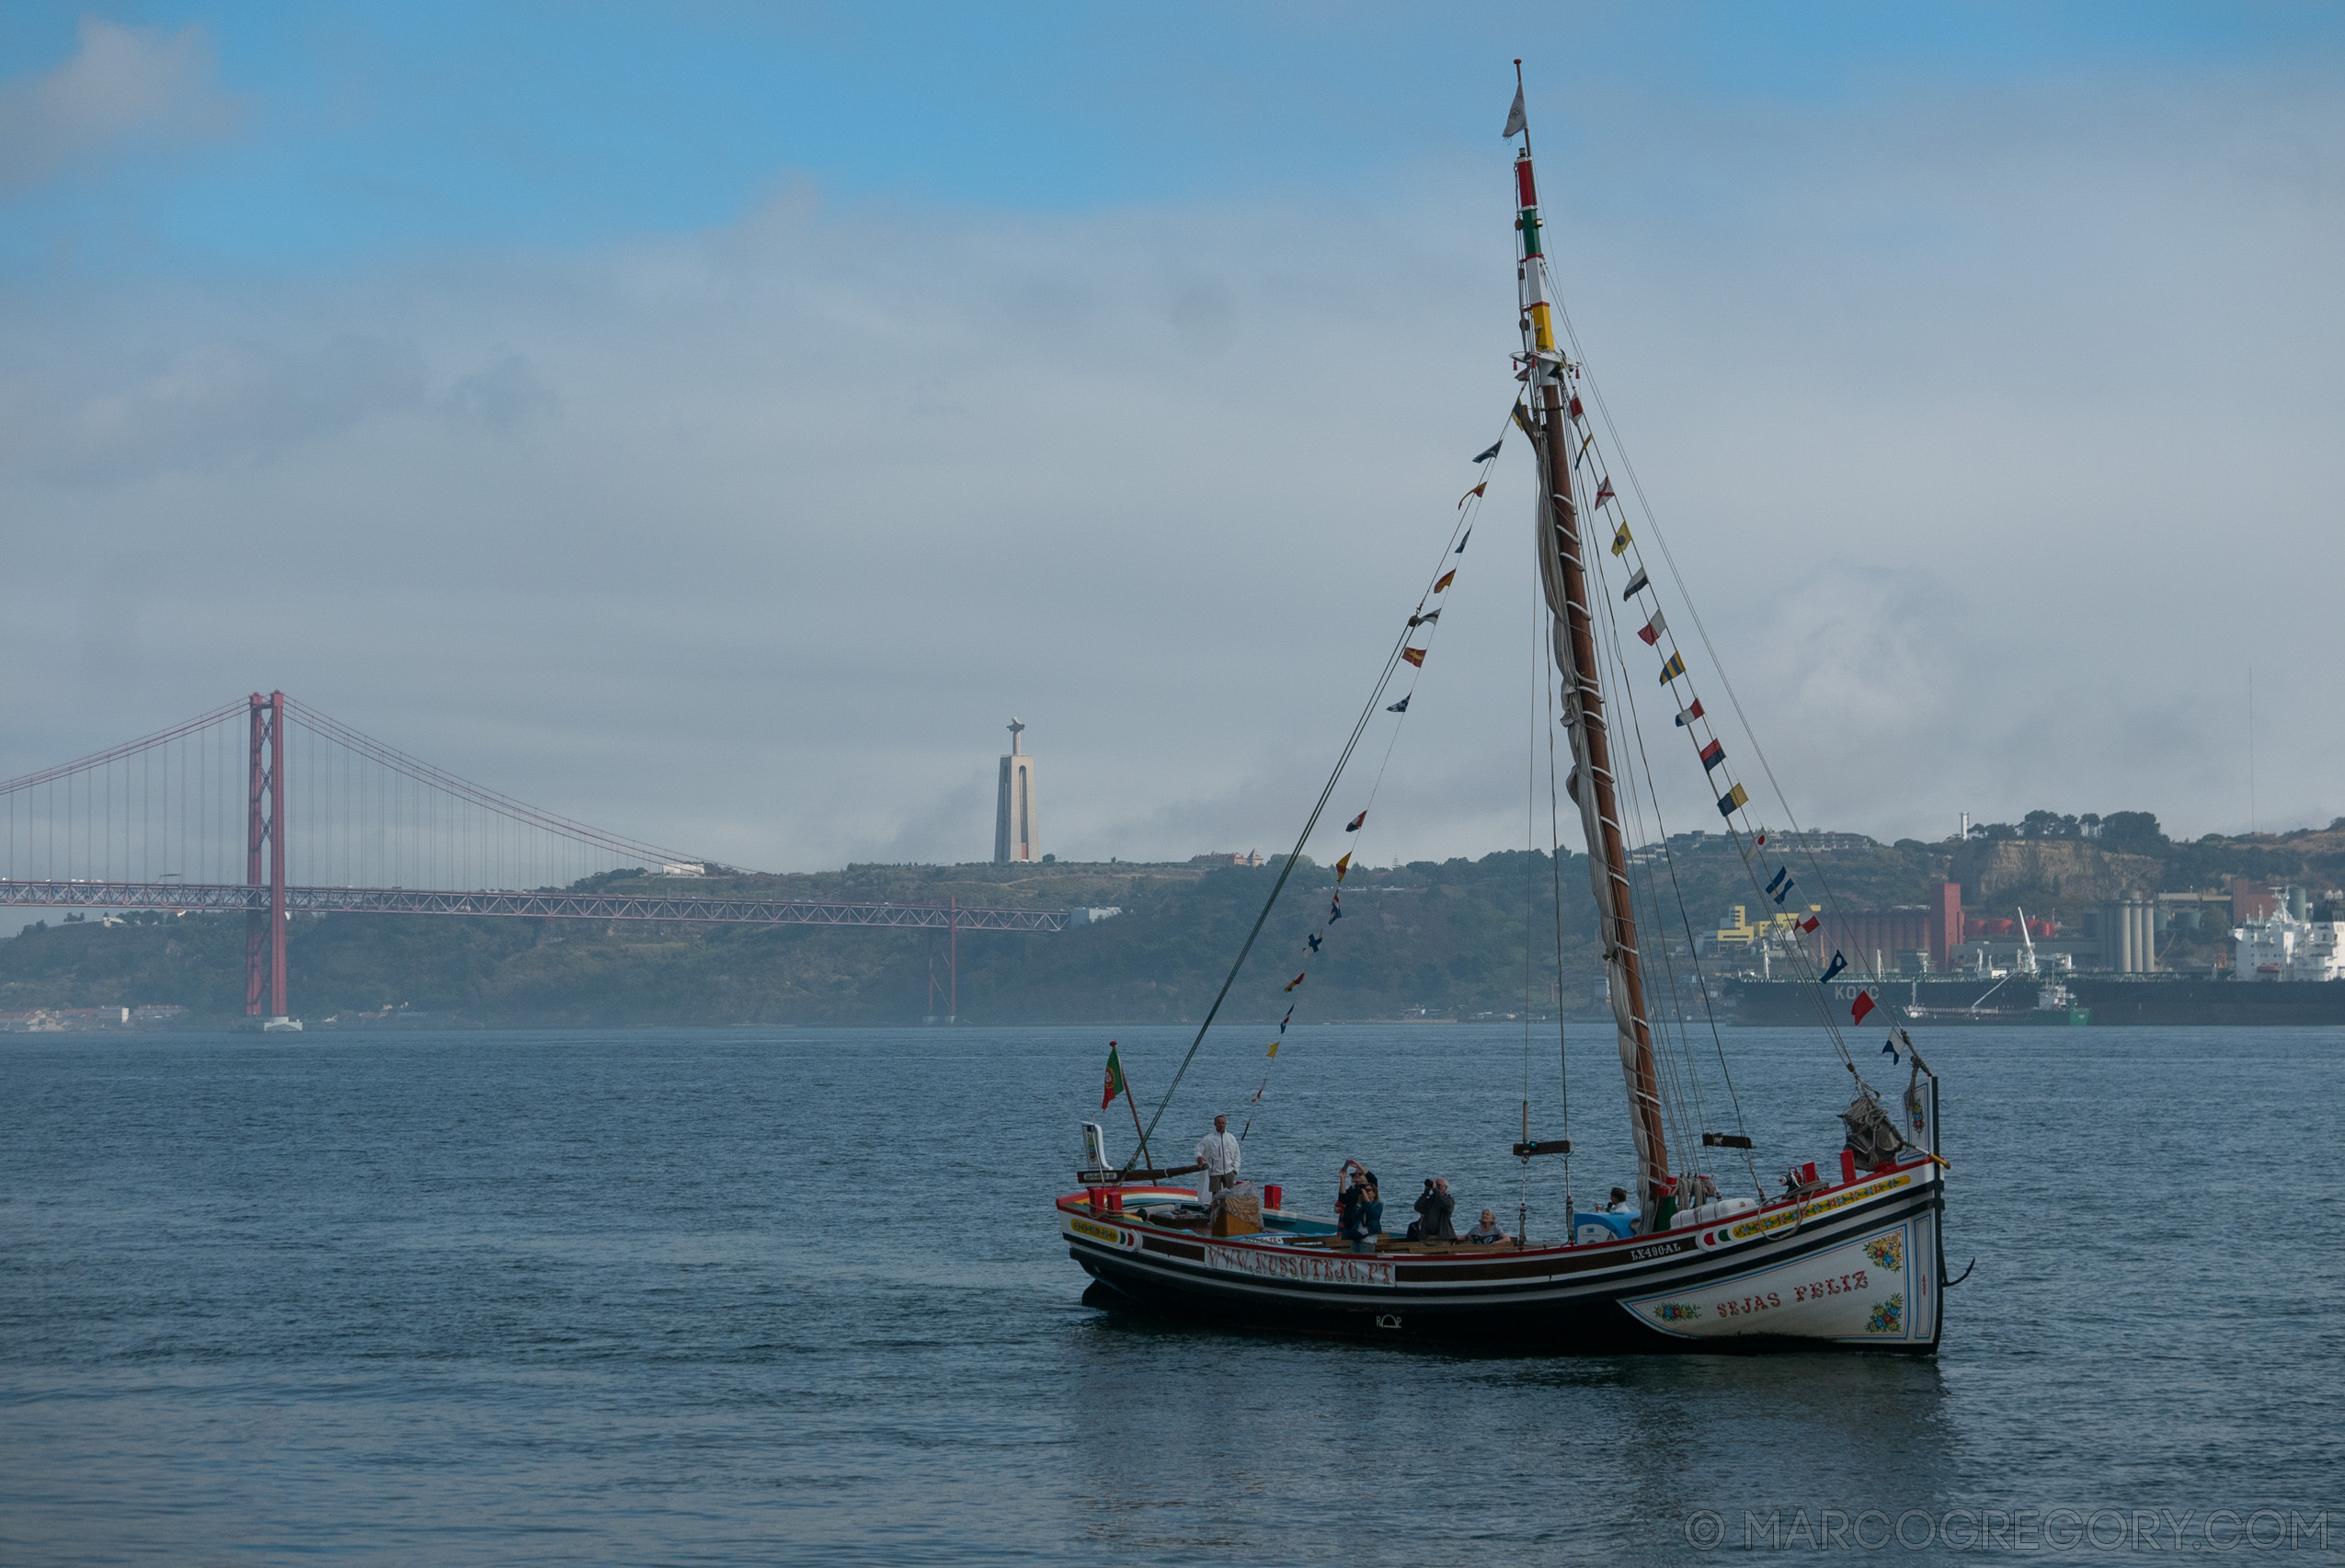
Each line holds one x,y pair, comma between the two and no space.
1694,1260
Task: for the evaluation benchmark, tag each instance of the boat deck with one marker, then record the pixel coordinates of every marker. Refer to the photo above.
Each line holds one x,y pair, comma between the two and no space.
1178,1211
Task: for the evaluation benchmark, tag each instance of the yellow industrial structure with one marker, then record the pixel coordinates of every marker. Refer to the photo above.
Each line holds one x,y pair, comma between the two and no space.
1743,933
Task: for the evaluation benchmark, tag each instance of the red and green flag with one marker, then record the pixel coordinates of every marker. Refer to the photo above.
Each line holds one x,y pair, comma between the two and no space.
1115,1084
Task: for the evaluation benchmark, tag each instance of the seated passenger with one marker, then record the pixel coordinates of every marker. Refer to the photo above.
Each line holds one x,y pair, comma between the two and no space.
1620,1204
1433,1210
1487,1231
1359,1215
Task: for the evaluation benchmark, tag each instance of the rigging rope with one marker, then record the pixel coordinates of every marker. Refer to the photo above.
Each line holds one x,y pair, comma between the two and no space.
1693,954
1555,873
1461,527
1676,1095
1540,661
1744,848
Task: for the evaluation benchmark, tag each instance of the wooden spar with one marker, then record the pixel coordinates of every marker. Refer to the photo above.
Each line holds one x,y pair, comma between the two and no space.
1132,1101
1584,712
1139,1173
1614,900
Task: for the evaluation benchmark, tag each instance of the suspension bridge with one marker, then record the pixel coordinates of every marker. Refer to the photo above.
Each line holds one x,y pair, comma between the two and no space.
162,823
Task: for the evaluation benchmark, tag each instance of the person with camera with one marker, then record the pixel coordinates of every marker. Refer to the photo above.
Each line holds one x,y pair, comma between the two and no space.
1359,1212
1433,1209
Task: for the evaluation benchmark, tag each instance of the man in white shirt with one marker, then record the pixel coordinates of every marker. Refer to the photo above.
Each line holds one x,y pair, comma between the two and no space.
1217,1152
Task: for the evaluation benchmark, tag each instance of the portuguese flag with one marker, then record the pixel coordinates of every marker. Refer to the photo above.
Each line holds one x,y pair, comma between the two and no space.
1115,1084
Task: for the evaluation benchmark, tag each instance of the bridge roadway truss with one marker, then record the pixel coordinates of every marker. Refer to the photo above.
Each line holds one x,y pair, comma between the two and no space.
231,897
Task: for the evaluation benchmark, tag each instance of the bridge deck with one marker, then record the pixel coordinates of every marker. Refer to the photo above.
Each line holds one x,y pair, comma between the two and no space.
232,896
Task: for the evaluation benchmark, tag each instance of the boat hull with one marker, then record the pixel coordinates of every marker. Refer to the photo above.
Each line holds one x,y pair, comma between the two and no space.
1856,1267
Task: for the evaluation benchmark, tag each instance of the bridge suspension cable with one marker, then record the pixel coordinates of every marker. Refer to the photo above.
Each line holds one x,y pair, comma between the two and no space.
179,806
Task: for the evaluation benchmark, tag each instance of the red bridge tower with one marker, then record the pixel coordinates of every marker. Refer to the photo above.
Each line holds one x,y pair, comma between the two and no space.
264,841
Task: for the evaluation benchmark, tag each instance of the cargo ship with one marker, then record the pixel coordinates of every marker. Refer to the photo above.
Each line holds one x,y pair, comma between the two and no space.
2113,999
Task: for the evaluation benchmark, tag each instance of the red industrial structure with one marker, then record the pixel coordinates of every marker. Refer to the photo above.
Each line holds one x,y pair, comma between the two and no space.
1870,938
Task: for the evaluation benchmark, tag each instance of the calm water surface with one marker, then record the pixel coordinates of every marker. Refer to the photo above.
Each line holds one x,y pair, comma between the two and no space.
761,1296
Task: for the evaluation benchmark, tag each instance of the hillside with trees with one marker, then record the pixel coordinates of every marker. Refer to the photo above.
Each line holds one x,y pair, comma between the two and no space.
1453,938
1448,938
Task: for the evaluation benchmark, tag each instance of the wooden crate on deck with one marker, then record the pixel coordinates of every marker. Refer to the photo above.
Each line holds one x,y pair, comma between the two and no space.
1237,1212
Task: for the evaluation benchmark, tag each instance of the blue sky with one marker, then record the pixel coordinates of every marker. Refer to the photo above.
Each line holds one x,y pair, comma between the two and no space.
362,129
818,386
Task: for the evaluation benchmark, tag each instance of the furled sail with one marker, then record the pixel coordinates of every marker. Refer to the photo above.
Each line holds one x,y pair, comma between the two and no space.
1563,576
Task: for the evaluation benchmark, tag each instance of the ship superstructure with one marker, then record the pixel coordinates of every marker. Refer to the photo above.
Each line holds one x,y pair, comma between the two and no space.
2298,941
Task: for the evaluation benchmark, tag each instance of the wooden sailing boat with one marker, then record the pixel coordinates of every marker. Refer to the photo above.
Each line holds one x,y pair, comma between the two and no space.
1851,1257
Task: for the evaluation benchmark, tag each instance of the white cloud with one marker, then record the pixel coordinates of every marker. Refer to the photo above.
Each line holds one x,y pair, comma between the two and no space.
1993,456
210,404
501,397
122,85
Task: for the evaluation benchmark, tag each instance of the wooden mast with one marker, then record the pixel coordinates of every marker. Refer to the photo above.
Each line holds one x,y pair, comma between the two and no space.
1565,572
